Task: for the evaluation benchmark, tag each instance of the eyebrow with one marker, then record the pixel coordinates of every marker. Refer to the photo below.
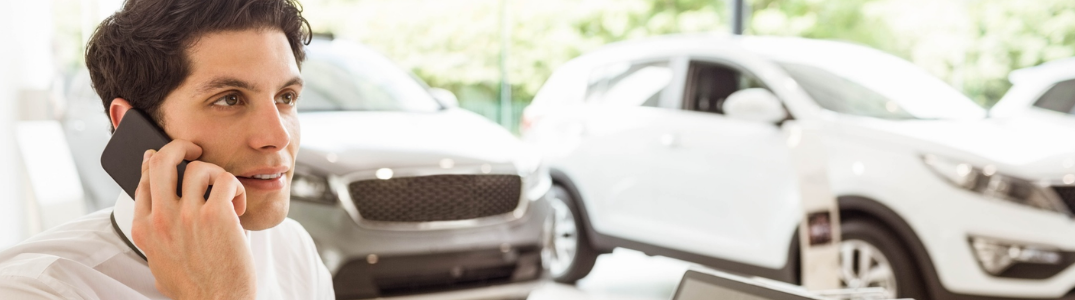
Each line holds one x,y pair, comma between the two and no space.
225,82
294,81
231,82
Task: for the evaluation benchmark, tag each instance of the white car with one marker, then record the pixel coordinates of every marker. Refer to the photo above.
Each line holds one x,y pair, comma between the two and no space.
674,146
1045,92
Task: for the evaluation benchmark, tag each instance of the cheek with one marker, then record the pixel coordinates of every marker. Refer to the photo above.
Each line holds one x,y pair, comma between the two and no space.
293,128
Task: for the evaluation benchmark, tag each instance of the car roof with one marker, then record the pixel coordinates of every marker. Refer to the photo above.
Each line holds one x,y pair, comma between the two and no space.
792,49
1057,70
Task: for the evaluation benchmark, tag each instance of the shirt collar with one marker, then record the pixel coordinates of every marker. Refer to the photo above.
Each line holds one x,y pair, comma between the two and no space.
123,219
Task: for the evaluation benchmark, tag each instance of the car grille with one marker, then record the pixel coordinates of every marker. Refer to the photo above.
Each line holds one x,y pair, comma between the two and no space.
436,197
1066,193
436,272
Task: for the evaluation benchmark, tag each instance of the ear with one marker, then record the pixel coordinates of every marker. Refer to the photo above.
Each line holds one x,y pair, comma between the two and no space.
117,110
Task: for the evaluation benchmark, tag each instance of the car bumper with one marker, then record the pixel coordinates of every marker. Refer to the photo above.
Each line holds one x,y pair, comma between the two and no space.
965,216
368,263
944,218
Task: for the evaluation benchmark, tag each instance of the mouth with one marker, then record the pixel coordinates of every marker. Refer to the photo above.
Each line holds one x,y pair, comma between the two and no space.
268,179
264,176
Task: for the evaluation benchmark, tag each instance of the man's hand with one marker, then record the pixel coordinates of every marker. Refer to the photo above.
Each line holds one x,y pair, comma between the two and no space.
196,248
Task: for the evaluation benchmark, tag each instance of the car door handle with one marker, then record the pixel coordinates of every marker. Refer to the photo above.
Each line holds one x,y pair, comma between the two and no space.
670,140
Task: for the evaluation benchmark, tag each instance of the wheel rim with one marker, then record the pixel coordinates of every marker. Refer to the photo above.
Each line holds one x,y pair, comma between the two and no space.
864,266
561,238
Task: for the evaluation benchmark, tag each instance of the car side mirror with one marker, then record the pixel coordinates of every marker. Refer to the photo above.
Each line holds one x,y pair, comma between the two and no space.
446,97
755,104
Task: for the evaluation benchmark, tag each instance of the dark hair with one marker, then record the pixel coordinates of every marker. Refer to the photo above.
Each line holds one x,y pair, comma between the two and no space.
139,53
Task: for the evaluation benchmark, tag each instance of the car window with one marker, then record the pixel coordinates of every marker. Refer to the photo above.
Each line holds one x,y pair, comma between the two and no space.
840,95
359,79
871,83
710,84
1061,98
627,84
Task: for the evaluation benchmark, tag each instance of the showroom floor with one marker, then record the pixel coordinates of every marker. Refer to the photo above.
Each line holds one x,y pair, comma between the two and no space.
624,274
621,275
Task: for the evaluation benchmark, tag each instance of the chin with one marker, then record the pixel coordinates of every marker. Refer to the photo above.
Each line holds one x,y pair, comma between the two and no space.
265,211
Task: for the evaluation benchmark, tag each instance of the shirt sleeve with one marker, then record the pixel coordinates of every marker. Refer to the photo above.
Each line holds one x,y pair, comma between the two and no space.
21,287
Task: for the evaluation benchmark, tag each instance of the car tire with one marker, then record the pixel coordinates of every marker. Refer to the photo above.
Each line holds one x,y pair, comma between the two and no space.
862,238
568,253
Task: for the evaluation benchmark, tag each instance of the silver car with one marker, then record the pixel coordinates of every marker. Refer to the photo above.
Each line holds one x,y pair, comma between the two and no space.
406,193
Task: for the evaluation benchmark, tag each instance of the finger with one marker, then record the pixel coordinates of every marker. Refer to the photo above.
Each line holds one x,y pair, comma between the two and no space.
228,193
196,180
163,174
142,196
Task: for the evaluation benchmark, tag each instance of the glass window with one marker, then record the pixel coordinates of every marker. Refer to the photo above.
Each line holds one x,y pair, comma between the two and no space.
710,84
629,85
354,78
1061,98
875,84
844,96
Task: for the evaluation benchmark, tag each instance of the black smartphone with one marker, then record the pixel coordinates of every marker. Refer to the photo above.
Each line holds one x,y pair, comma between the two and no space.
122,157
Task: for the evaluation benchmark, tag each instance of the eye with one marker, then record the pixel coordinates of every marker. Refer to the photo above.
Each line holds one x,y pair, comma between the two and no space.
288,98
227,100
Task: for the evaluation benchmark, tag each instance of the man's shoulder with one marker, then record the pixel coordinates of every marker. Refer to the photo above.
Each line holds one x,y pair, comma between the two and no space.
71,260
88,240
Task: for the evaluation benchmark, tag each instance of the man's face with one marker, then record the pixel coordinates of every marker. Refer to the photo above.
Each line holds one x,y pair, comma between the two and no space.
238,105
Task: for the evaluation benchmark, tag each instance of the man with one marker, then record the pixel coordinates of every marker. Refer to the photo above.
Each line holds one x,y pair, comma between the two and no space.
222,78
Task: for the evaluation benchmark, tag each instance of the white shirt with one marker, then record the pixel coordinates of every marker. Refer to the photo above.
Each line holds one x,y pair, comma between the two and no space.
87,259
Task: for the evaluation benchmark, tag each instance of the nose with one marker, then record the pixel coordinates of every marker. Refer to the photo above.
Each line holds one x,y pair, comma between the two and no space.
268,130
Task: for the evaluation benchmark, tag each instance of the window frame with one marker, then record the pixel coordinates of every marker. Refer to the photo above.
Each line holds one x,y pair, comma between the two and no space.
663,101
685,104
1045,92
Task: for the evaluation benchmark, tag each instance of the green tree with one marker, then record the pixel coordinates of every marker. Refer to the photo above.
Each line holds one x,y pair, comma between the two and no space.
454,44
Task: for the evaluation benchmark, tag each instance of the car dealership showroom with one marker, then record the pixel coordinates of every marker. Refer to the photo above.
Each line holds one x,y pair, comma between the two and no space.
537,149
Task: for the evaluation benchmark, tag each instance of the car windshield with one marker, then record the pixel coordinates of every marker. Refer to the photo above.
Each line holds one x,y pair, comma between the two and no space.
340,76
881,87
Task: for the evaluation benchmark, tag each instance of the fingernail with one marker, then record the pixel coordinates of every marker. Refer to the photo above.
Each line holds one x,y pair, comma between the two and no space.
145,156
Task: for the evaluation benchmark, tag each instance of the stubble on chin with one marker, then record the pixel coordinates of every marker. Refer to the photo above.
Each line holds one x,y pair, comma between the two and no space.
265,212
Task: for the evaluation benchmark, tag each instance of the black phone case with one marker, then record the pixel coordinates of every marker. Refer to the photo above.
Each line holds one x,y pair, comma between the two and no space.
122,157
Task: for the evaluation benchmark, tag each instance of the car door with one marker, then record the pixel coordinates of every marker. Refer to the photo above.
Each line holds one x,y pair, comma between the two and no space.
726,188
619,137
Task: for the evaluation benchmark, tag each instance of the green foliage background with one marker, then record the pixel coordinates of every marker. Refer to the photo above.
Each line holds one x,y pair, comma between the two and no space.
454,44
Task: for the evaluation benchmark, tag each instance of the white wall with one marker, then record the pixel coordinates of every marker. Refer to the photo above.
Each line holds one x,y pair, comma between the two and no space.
12,222
27,72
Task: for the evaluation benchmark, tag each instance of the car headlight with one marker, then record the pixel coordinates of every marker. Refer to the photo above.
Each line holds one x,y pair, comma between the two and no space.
537,182
310,187
987,182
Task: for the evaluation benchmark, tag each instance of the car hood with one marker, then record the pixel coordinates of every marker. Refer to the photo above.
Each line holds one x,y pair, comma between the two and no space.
1030,147
346,142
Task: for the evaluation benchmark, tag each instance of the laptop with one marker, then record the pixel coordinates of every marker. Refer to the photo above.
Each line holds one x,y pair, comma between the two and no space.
711,285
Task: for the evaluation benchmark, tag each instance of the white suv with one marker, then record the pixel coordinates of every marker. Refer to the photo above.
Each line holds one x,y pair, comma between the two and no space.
1045,93
674,146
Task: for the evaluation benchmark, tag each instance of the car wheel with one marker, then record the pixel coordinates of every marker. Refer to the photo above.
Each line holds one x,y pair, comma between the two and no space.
871,256
567,253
